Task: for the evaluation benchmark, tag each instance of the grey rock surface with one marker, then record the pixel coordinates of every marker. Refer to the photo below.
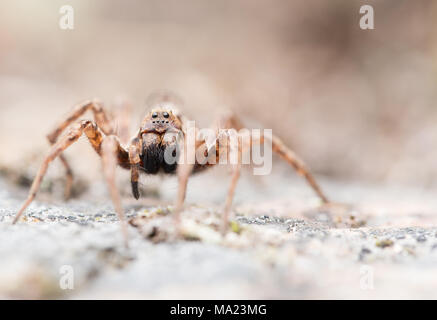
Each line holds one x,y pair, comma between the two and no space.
278,246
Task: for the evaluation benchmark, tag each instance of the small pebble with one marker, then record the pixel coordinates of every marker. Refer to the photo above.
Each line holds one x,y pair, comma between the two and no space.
259,221
363,253
384,243
421,238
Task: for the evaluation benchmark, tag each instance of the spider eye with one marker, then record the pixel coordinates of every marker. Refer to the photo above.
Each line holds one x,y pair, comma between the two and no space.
165,114
155,115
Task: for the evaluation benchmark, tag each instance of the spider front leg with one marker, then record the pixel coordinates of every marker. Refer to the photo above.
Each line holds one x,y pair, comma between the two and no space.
110,150
101,118
235,149
231,121
106,146
224,127
56,150
229,144
188,163
230,124
185,167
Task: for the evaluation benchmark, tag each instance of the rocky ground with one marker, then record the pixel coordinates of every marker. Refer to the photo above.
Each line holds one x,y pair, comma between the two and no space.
281,243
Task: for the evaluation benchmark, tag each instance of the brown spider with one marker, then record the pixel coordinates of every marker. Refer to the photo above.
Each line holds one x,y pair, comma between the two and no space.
145,153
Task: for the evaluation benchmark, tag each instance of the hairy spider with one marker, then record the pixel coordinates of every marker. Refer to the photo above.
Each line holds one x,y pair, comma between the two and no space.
146,152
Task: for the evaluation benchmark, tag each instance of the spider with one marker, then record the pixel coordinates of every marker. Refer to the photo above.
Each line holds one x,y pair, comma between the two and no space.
145,152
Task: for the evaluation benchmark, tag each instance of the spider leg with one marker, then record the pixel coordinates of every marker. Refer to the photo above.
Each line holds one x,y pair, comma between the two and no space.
234,179
56,150
107,146
229,123
184,170
186,167
109,151
230,196
123,112
285,153
68,175
292,159
102,120
101,117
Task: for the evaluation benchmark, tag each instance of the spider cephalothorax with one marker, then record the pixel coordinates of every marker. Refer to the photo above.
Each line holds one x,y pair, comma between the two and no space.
155,148
158,133
161,120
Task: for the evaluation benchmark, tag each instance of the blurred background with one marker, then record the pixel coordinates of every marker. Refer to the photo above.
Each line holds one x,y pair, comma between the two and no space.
355,104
